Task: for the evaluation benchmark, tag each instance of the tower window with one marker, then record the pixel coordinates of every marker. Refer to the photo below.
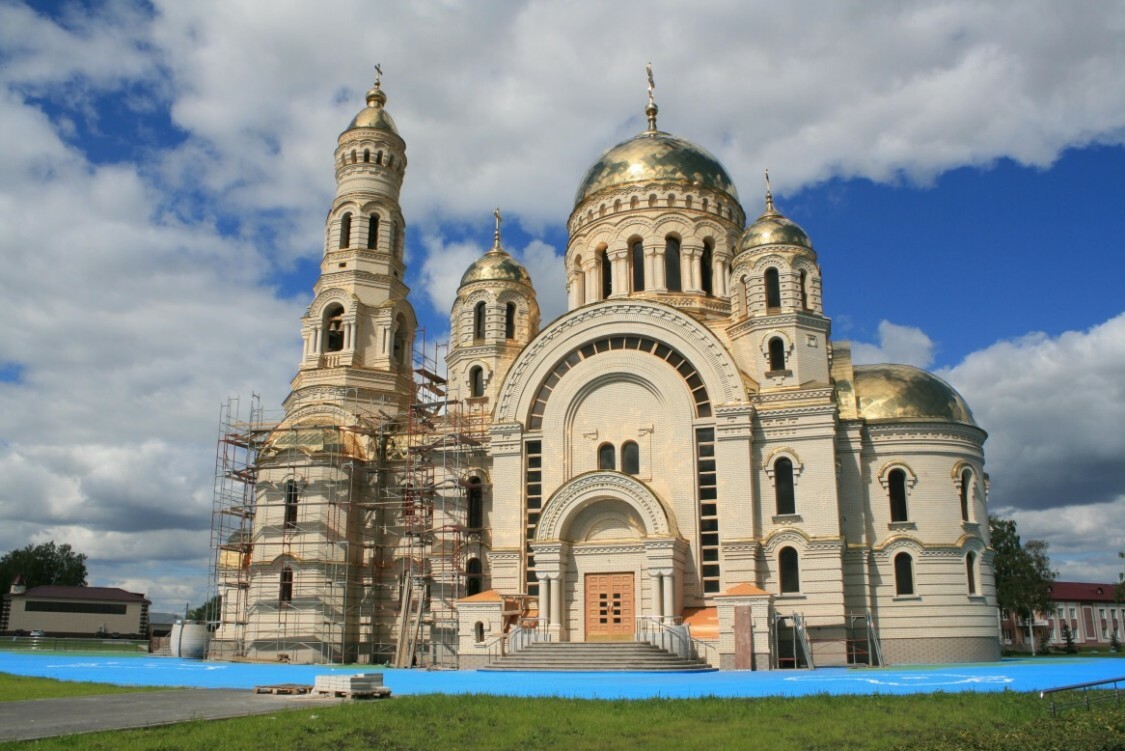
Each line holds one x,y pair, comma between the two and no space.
904,574
637,261
378,157
334,329
291,498
476,504
473,585
630,458
373,231
966,487
346,231
399,351
970,572
607,273
390,160
777,354
366,155
804,290
773,288
789,566
476,381
606,458
672,264
896,488
705,270
285,590
783,486
510,321
478,320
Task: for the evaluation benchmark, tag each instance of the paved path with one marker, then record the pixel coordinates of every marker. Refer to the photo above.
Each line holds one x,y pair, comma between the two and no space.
43,718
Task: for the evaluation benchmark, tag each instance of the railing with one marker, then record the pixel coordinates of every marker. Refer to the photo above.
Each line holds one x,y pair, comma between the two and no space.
528,631
666,633
1086,699
495,647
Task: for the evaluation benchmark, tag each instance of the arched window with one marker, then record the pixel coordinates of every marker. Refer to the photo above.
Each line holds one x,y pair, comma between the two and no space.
896,488
378,157
777,353
789,566
672,264
478,631
334,328
607,274
285,590
630,458
476,381
971,572
476,504
966,489
783,485
346,230
373,231
399,351
510,321
606,458
773,288
291,498
705,270
367,155
353,156
744,294
804,290
390,160
904,574
473,578
637,262
478,320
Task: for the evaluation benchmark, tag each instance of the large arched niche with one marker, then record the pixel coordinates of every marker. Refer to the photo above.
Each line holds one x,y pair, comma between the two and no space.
644,318
569,503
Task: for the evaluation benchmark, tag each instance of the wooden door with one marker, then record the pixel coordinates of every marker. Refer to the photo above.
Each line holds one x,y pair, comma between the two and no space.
609,607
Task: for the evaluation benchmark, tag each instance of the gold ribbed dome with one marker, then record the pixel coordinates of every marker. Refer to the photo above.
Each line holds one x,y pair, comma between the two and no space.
496,266
903,392
373,115
655,157
773,228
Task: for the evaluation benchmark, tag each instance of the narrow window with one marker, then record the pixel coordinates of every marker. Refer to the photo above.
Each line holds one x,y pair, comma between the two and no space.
904,574
672,264
291,497
378,157
777,353
353,156
789,565
367,155
970,572
334,329
478,627
390,160
966,485
783,482
773,289
896,485
804,290
399,352
606,457
705,270
637,261
476,504
285,591
607,274
476,381
346,231
630,458
510,321
373,231
478,320
473,577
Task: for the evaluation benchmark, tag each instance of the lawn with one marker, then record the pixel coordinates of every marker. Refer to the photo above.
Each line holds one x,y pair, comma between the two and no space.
18,688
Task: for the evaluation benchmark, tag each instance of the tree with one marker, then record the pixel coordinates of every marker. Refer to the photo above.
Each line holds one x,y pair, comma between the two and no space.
1068,639
208,611
42,564
1023,571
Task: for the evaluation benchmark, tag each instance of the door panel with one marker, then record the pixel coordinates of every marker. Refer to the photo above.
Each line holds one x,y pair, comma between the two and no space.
609,607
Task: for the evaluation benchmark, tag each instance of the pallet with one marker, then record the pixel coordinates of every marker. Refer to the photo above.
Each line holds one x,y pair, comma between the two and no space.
284,689
368,693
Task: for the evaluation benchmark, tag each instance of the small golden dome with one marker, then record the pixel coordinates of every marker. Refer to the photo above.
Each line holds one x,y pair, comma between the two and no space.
373,115
903,392
773,228
496,265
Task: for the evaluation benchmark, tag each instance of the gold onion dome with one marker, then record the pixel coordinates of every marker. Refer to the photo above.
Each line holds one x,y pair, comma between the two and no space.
903,392
373,115
496,265
773,228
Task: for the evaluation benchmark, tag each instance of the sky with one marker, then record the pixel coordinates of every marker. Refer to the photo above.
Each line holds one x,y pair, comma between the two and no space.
166,168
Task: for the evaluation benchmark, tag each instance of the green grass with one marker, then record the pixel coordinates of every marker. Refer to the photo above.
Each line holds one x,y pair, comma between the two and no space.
996,721
19,687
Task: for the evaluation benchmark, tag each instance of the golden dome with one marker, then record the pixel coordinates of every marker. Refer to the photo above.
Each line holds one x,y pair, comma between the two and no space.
903,392
373,115
496,265
772,228
655,157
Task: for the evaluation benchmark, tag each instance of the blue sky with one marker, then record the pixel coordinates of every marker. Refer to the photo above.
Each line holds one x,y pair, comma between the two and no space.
165,170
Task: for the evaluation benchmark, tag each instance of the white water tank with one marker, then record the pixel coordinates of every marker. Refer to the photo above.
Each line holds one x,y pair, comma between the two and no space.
189,639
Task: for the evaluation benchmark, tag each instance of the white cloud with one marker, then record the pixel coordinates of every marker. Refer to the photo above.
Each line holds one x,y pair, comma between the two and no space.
907,345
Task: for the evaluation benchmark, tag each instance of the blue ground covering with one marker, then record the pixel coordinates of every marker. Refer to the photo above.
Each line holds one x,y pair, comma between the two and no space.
1016,675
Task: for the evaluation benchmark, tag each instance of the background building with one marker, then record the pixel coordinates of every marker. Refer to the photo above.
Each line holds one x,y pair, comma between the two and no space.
75,611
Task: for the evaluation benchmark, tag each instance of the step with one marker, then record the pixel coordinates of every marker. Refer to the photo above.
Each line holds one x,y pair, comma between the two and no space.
596,657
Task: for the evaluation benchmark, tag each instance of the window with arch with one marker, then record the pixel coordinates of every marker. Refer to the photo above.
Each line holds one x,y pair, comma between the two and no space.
788,564
473,578
334,328
390,160
354,160
478,628
783,486
285,589
672,264
744,294
367,155
904,574
478,320
476,381
398,352
291,498
606,458
607,273
373,231
804,290
630,458
773,288
346,230
705,270
777,353
476,503
378,157
971,572
637,264
510,321
966,492
896,489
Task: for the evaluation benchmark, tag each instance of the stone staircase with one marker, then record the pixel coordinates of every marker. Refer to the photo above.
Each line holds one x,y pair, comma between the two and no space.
597,657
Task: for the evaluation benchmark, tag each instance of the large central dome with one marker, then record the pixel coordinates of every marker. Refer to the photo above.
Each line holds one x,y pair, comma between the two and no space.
655,157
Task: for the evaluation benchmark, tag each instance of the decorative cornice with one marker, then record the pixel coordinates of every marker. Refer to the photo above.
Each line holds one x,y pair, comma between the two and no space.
583,490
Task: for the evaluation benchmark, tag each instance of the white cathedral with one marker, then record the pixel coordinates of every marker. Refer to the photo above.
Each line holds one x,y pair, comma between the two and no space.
685,452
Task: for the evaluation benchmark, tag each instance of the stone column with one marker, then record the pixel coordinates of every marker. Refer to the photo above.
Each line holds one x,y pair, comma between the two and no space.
690,277
669,595
556,605
657,595
590,272
654,269
574,289
545,599
620,267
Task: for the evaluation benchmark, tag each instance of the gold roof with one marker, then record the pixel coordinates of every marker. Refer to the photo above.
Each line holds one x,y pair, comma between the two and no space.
496,265
655,157
773,228
373,115
903,392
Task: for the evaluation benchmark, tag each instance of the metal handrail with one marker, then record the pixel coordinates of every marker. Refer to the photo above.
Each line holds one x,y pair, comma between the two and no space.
650,624
1115,695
